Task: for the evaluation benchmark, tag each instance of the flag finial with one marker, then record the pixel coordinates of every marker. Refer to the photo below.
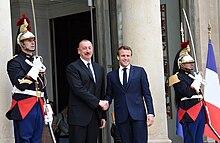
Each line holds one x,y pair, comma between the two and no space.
209,29
182,32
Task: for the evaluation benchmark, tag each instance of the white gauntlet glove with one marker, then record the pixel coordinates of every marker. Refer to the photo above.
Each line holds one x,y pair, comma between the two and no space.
37,62
196,85
37,66
48,117
198,80
33,73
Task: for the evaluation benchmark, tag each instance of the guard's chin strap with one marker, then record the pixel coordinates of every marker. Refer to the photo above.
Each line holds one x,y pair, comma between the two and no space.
29,50
187,70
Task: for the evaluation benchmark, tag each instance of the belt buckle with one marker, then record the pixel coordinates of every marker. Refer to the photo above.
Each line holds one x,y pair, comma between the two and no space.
38,93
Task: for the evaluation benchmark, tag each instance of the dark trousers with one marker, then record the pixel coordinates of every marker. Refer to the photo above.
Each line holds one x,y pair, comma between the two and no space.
133,131
29,130
193,132
85,134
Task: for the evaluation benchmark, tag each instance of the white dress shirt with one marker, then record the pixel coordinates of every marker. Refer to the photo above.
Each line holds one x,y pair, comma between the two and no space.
121,73
91,67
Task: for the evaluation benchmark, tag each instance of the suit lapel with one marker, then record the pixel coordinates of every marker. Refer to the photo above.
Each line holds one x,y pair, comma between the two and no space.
117,79
129,77
83,66
131,73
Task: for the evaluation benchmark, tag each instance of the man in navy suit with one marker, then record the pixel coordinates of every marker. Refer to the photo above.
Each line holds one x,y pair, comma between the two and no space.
87,88
128,86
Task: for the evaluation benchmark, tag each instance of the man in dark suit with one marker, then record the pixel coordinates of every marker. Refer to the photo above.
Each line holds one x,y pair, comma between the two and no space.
128,86
86,81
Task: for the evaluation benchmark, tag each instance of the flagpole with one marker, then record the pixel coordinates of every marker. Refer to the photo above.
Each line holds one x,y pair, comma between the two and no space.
209,30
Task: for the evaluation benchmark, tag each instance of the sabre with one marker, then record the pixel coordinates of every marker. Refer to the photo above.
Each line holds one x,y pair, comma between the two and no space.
51,132
192,43
35,27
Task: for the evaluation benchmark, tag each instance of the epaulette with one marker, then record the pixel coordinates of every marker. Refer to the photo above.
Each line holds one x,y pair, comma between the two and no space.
173,79
13,57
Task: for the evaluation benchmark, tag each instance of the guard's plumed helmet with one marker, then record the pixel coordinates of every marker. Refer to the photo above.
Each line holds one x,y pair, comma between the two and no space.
24,31
184,56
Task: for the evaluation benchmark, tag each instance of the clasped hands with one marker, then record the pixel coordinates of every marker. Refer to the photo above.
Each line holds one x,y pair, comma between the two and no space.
104,104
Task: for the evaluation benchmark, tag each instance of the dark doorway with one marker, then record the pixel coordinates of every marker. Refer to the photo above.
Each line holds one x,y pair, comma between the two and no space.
68,32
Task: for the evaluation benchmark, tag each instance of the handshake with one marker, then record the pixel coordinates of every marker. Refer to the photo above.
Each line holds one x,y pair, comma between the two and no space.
104,104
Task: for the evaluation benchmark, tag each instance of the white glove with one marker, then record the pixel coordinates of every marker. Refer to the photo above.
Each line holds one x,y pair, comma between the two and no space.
196,85
37,66
198,76
33,73
37,62
197,82
48,117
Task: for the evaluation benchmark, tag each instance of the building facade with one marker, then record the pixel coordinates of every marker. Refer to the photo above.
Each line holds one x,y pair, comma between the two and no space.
150,27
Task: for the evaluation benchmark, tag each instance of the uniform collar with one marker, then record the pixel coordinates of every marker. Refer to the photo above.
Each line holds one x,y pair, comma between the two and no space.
26,55
184,71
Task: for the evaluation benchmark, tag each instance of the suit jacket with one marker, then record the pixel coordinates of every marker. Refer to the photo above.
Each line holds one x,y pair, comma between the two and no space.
84,93
130,100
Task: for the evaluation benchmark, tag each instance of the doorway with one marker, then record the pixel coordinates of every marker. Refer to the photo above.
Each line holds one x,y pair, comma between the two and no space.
67,32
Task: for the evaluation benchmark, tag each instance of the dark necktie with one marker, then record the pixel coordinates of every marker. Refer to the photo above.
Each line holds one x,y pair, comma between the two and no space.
88,64
124,77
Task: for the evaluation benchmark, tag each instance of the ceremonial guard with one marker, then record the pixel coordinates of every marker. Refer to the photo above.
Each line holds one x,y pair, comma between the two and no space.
29,98
188,98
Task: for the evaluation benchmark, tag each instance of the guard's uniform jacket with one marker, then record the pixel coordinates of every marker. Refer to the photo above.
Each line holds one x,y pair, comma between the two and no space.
26,92
191,112
189,107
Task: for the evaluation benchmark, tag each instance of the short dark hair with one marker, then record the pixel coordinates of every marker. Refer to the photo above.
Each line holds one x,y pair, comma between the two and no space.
85,40
124,48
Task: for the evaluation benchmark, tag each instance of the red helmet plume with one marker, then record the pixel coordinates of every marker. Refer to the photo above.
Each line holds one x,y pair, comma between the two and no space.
20,21
184,44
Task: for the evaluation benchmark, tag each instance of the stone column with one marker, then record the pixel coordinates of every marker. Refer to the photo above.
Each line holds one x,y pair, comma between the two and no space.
6,136
141,30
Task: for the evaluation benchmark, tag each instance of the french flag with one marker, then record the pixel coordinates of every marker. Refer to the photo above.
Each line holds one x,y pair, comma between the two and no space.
212,96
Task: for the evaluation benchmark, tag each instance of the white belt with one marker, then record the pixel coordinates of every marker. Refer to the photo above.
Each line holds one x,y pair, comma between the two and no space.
200,97
28,92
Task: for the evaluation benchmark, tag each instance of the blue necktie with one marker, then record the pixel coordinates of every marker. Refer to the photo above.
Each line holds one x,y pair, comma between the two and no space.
124,78
88,64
